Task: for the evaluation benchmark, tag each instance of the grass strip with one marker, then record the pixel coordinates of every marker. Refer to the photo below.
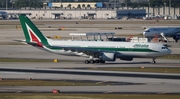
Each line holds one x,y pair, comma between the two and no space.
11,43
33,60
171,56
24,60
139,69
86,96
48,83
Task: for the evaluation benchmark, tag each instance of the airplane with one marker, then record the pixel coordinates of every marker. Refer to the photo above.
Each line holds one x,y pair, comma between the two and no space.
163,32
3,15
101,50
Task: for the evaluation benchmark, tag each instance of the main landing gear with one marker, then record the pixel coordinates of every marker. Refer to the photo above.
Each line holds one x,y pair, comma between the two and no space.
94,61
154,61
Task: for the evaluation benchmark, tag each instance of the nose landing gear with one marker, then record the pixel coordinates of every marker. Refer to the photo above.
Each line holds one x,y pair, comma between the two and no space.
154,61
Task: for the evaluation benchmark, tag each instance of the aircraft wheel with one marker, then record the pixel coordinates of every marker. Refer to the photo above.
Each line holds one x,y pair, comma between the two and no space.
102,61
92,61
154,62
87,61
97,61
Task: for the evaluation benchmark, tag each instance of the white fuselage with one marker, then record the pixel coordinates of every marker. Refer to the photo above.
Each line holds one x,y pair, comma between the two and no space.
156,31
103,50
147,50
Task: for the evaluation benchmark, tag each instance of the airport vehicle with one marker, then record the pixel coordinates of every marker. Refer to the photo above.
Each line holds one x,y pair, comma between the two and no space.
101,50
163,32
3,15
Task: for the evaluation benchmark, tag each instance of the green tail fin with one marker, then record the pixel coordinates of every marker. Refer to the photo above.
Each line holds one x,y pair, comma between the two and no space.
31,32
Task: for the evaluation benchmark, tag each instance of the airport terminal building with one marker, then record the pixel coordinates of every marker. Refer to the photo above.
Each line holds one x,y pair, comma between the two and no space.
79,10
105,9
82,13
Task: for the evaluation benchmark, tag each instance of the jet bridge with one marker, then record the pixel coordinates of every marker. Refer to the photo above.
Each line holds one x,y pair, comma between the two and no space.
93,36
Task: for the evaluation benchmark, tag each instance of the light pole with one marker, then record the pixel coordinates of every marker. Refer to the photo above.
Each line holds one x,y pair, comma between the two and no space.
156,10
127,4
12,4
61,5
169,7
164,8
148,9
114,4
6,5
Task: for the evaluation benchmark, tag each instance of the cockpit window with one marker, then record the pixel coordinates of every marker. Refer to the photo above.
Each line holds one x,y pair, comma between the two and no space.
147,31
164,48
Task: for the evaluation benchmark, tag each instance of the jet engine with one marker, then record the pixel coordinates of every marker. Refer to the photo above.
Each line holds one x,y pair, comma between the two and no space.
126,58
106,56
176,38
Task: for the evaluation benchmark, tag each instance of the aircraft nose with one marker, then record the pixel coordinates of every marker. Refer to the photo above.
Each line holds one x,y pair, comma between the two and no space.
169,51
166,52
144,33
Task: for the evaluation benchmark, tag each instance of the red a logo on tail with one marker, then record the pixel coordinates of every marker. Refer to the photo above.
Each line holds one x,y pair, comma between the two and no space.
33,36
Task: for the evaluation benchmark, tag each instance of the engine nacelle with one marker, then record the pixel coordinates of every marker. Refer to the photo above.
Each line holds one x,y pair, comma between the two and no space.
126,58
107,56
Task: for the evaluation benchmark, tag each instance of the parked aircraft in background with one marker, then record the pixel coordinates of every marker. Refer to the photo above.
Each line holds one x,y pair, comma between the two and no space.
101,50
3,15
163,32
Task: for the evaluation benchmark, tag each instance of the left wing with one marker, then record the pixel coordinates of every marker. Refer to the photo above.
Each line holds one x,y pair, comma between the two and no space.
88,51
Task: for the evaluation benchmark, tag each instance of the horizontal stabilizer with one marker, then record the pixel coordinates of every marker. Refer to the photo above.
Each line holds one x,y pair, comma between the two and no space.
24,42
21,41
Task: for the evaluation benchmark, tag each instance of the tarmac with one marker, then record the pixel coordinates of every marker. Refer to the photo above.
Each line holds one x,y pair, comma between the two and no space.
131,82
